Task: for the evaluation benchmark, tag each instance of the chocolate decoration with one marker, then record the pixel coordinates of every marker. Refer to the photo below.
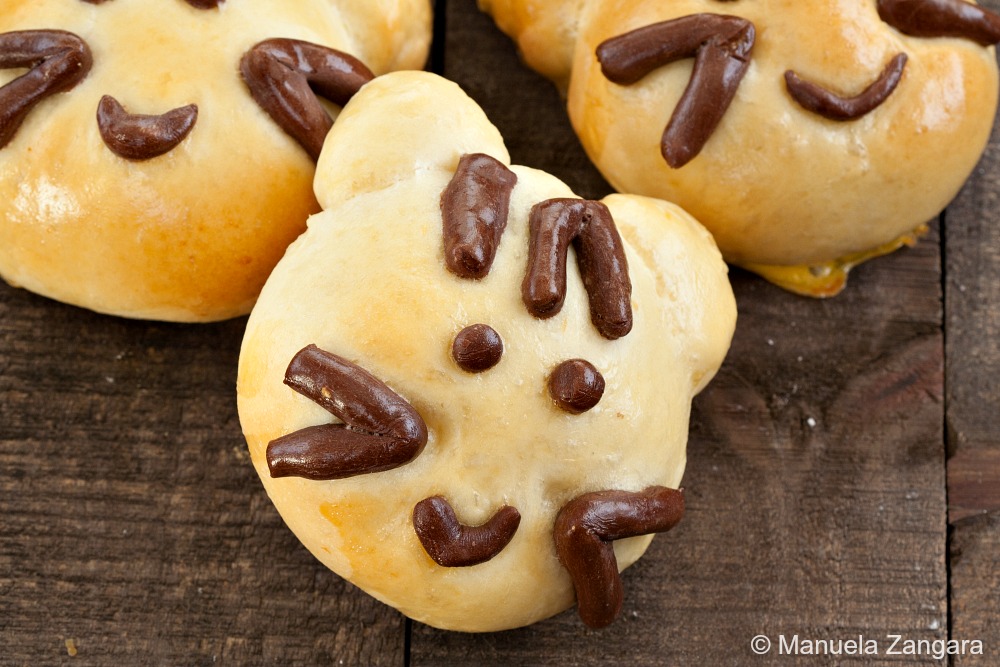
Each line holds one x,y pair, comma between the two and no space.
941,18
58,60
197,4
477,348
451,544
138,137
819,100
554,224
381,430
576,386
720,45
584,530
283,74
474,207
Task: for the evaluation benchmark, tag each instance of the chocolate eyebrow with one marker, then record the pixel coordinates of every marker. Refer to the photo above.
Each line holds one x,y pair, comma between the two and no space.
282,75
381,430
942,18
142,137
819,100
584,531
452,544
588,225
474,208
721,45
58,60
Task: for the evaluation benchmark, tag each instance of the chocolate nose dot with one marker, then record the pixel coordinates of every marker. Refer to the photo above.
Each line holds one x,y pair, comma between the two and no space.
576,386
477,348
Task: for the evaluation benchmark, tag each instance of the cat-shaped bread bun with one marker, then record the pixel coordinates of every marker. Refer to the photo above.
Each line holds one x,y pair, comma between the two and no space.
806,136
157,156
467,390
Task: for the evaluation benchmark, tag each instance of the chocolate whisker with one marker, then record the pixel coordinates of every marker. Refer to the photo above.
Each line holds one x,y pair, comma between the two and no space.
942,18
588,225
381,430
283,74
451,544
139,137
819,100
720,45
584,531
58,60
474,207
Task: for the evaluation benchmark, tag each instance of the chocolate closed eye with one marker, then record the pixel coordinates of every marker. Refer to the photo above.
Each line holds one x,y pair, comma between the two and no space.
941,18
452,544
821,101
721,46
58,60
282,75
381,430
141,137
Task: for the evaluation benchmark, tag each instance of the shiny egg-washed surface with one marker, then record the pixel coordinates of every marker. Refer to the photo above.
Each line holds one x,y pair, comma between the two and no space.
803,135
156,156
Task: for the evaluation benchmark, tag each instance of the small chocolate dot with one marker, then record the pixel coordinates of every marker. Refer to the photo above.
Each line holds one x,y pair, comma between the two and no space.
477,348
576,386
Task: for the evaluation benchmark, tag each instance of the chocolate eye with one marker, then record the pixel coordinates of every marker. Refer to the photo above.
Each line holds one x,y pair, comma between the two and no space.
576,386
477,348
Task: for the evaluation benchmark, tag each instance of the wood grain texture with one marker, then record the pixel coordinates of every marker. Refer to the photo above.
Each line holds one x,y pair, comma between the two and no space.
133,523
815,484
972,298
133,530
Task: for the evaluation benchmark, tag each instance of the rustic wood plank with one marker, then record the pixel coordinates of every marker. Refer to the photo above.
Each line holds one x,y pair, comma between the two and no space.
815,479
972,298
133,523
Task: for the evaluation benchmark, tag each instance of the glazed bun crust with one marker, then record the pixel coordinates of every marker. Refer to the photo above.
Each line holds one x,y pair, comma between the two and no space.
777,184
189,235
368,282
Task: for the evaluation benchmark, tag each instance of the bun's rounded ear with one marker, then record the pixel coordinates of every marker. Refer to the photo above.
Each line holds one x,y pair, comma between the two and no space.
546,32
392,34
397,125
689,272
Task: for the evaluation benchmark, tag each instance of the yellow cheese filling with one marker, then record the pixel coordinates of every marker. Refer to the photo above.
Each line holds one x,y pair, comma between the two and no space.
829,278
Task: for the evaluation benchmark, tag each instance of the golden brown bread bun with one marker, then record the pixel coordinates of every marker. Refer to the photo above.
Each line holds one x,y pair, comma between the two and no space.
391,316
181,218
780,184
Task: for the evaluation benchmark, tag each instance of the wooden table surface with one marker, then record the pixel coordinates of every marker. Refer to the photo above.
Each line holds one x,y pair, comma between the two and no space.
843,478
